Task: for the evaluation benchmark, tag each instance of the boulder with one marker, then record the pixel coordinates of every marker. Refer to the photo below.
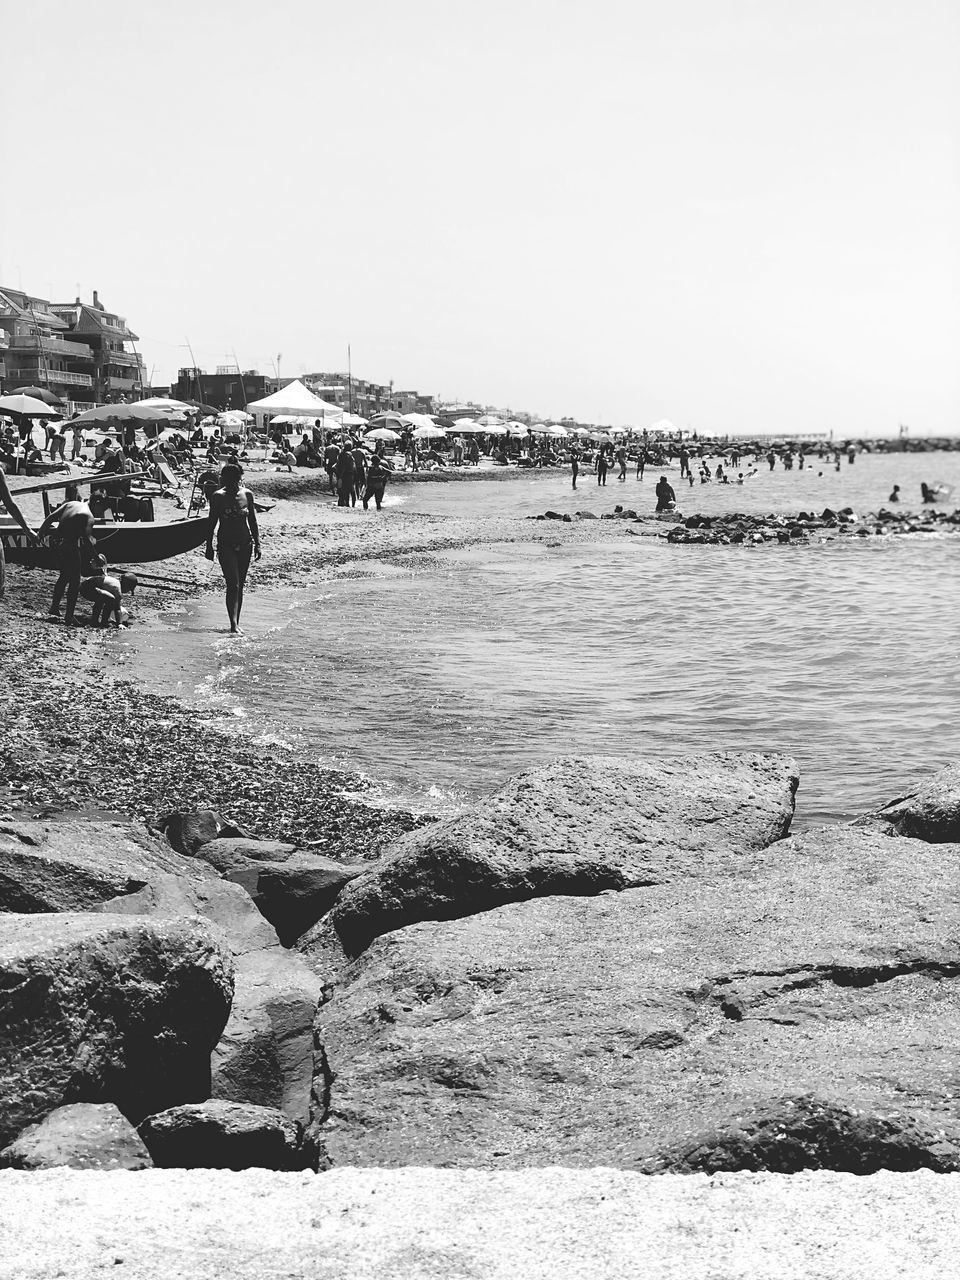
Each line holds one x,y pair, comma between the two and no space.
573,826
787,1135
266,1052
83,1135
188,831
222,1135
294,894
107,1009
81,862
932,812
225,854
632,1028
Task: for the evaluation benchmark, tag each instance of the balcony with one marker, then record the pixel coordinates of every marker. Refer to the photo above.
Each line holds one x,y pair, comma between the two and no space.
51,376
52,346
123,384
122,358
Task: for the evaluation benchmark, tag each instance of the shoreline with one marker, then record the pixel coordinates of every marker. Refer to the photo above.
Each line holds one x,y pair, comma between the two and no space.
142,753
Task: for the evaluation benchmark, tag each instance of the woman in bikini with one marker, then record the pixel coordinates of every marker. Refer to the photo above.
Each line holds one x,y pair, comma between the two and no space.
232,507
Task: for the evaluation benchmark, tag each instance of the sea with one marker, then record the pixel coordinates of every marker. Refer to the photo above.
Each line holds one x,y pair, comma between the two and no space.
440,676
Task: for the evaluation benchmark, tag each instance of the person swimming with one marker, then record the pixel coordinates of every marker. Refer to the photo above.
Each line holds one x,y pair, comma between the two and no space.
895,495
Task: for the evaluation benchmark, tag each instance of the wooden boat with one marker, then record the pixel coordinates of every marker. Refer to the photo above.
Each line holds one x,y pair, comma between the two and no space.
122,543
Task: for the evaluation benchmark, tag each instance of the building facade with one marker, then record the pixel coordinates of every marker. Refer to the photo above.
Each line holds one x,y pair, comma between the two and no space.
366,398
228,388
77,350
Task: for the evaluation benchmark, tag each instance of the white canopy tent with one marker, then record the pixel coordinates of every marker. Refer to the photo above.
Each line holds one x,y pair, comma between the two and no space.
296,401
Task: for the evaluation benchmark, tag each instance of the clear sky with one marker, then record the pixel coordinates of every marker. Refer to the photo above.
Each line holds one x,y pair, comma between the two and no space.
735,214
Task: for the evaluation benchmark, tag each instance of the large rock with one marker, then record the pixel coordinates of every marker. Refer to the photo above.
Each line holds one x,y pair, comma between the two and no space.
74,862
932,812
632,1027
574,826
266,1052
222,1135
294,894
83,1135
225,854
786,1135
102,1008
187,831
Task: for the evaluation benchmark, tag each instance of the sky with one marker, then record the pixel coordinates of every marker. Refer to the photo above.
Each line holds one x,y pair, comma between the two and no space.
739,215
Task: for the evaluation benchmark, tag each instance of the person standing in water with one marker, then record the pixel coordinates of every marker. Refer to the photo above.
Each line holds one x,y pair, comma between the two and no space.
601,467
666,498
575,463
231,506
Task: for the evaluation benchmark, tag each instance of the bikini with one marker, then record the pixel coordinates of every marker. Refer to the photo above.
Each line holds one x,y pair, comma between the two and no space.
237,536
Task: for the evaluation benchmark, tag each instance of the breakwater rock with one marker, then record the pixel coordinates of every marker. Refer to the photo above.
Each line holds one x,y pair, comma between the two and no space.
751,1003
609,961
736,528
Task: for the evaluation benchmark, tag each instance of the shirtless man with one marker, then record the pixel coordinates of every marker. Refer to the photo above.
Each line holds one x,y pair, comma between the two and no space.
7,503
74,535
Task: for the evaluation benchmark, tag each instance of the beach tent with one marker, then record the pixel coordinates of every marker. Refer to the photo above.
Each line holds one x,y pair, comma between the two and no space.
294,400
662,428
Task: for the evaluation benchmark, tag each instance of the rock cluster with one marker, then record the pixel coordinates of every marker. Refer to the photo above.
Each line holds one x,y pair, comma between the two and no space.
144,989
741,528
617,962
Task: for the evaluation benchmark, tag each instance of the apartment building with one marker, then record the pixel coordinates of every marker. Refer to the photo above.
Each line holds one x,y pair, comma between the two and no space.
366,398
77,350
228,388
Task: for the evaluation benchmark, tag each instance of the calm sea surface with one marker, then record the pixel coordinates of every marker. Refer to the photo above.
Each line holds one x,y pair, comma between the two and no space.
441,678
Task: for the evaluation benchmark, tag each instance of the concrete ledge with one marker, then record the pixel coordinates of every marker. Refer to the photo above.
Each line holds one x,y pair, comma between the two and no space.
417,1223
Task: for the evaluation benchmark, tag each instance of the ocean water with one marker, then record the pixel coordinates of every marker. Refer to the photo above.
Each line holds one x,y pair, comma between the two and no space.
441,677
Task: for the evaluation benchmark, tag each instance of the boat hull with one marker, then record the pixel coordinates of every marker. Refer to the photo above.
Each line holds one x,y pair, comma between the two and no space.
120,543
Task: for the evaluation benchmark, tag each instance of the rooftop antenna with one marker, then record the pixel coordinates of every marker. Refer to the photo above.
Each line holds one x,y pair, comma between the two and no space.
195,373
243,389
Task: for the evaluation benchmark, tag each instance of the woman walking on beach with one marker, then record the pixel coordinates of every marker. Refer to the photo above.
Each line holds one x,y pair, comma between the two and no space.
231,506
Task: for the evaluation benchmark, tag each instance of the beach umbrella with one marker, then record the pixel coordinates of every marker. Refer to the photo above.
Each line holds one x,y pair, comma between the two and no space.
580,431
491,420
203,408
123,413
429,433
467,425
555,429
385,419
418,420
382,433
38,393
27,407
166,405
498,430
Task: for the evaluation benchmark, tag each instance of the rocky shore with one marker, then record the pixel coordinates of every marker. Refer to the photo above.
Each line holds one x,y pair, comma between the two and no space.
611,962
216,954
